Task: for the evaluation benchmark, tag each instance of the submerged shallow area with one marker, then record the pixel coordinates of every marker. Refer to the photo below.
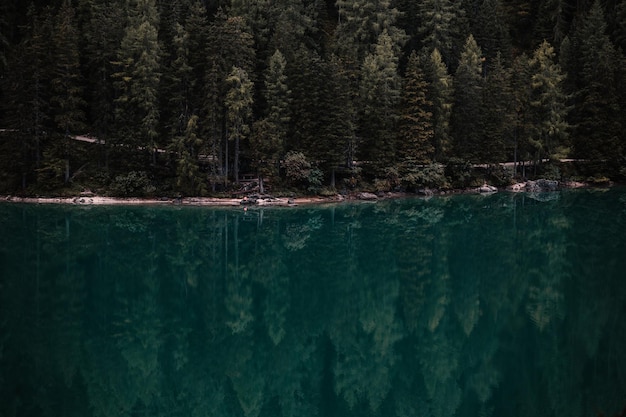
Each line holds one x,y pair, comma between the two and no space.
470,305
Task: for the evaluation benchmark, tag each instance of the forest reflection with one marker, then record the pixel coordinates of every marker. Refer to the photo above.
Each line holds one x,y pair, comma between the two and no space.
467,306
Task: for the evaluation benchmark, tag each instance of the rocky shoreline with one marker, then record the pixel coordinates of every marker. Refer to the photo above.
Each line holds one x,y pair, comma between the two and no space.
87,199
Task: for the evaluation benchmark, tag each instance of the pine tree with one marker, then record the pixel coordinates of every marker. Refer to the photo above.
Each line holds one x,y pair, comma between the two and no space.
27,99
229,44
197,28
239,100
548,103
380,92
443,27
497,112
599,125
187,147
440,94
269,135
361,23
266,146
180,84
552,21
522,125
278,95
103,32
66,93
415,130
137,80
467,111
492,31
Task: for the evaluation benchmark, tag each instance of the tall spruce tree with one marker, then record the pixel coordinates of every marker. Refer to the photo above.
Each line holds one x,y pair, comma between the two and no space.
467,129
497,112
27,100
548,103
197,28
239,100
137,81
599,118
179,82
443,27
415,129
66,98
492,31
522,124
380,92
103,32
269,135
187,146
278,95
230,44
440,94
361,22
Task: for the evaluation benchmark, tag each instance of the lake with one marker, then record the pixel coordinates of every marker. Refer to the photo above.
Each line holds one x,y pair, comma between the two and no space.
500,305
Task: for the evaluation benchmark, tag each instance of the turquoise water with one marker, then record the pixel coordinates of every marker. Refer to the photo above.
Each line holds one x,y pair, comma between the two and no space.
502,305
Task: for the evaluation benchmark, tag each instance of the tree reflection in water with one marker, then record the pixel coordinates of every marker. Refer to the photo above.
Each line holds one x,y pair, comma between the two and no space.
471,305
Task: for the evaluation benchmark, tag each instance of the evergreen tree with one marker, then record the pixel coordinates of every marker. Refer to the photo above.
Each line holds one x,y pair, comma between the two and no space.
599,125
197,28
497,112
552,21
380,92
492,31
361,23
278,95
137,80
467,111
66,93
187,147
265,150
440,94
548,103
522,125
27,99
415,130
239,100
443,27
229,45
269,135
103,32
180,84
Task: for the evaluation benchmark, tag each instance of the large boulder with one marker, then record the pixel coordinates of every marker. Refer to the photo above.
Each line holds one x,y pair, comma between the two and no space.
367,196
487,189
542,185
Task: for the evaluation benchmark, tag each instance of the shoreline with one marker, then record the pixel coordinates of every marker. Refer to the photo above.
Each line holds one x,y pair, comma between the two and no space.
187,201
89,199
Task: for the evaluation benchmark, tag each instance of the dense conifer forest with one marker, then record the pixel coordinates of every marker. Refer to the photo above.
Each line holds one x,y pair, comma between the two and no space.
150,97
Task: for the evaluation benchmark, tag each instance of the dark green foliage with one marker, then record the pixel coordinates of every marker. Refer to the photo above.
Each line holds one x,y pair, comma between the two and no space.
137,79
324,80
380,93
300,171
66,98
467,129
549,104
599,125
187,147
498,113
440,91
444,28
415,129
135,183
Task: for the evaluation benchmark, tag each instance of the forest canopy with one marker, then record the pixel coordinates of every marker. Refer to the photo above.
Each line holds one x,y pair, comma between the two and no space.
140,97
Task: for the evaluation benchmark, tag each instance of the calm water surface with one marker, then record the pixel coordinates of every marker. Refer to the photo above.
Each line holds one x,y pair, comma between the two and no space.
505,305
